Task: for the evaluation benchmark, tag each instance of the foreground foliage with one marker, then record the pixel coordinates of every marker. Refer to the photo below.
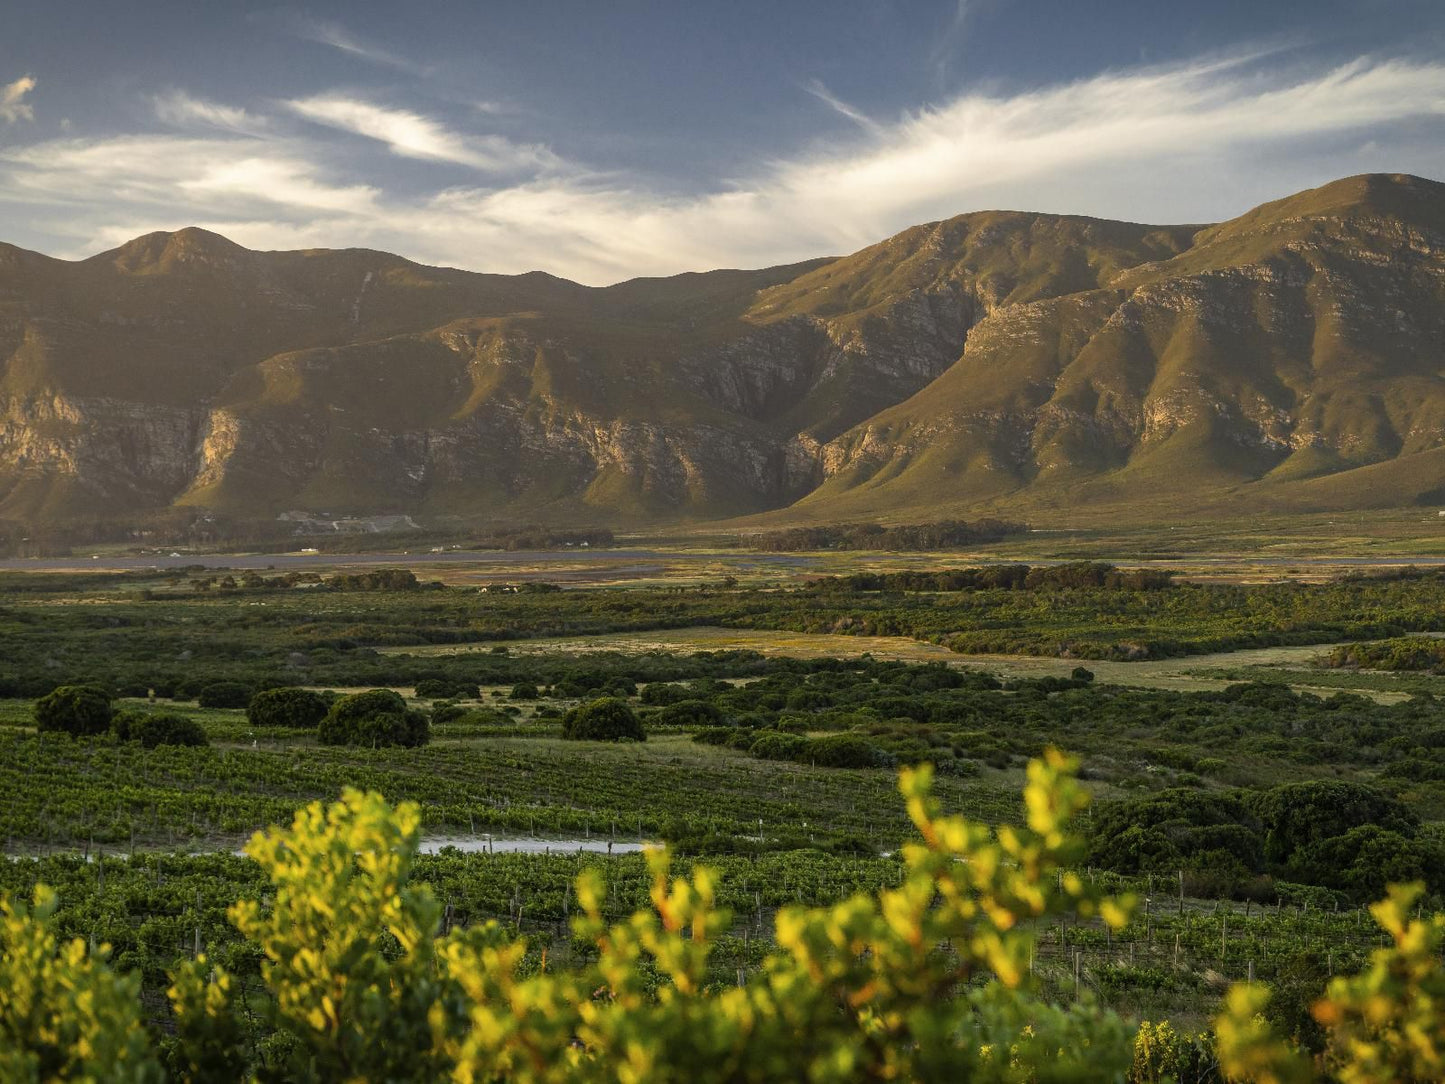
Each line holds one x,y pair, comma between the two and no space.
926,980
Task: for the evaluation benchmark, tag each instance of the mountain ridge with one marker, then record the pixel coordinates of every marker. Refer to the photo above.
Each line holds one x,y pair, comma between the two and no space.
995,361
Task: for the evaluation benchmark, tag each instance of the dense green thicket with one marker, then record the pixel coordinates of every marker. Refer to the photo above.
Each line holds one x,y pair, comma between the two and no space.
153,728
293,708
380,579
1338,835
376,718
446,689
77,710
945,534
224,694
609,719
1080,574
1403,653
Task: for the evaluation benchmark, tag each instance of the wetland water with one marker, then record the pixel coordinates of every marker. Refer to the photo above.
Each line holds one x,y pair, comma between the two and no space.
478,844
520,845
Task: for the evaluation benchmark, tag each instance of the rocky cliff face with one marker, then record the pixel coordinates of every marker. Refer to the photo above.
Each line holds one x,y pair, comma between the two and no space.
993,360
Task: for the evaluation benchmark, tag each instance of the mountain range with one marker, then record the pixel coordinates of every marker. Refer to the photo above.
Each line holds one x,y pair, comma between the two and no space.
1291,359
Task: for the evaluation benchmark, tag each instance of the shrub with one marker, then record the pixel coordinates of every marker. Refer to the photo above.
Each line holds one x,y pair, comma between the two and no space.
806,699
771,745
376,717
381,579
122,722
523,691
446,712
1295,815
689,713
224,694
447,689
659,693
297,709
609,719
166,728
78,710
840,751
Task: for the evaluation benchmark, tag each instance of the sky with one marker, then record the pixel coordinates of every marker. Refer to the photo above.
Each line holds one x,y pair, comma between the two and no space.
605,139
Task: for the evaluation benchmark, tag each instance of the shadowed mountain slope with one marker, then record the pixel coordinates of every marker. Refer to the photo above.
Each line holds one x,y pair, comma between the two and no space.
1288,359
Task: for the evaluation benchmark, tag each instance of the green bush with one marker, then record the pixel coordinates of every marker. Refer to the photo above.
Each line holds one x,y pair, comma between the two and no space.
609,719
297,709
122,721
1295,815
445,689
376,718
78,710
771,745
224,694
523,691
166,728
446,712
840,751
660,693
1366,859
688,713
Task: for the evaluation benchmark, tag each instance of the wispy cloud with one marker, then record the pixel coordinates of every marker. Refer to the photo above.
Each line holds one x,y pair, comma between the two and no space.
148,176
13,106
412,135
1187,142
335,35
182,110
816,88
941,55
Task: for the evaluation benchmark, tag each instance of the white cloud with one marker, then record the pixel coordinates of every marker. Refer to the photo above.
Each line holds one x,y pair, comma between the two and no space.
1156,144
338,37
175,176
816,88
940,57
1192,142
13,106
183,111
412,135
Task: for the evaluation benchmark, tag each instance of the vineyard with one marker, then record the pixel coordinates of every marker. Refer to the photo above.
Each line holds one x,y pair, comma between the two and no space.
355,971
1249,827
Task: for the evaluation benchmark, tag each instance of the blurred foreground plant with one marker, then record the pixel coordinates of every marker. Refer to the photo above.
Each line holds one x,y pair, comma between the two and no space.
930,980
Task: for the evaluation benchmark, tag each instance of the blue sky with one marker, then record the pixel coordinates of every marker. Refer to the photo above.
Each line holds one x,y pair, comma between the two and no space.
601,140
